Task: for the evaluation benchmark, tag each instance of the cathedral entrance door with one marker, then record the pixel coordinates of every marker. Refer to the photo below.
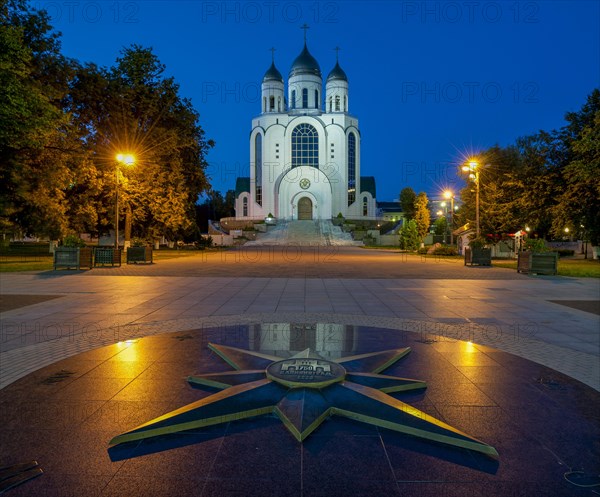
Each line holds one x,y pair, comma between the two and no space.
305,207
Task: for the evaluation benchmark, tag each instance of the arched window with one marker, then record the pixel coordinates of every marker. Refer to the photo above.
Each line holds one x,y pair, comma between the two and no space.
245,207
365,206
337,103
293,102
258,167
351,168
271,103
316,99
330,104
305,146
345,104
264,104
278,104
304,98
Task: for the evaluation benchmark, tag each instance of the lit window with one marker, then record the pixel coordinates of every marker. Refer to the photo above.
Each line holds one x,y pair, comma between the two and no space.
305,146
258,167
351,168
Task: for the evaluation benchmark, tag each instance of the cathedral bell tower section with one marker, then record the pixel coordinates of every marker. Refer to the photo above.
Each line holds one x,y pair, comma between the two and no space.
272,90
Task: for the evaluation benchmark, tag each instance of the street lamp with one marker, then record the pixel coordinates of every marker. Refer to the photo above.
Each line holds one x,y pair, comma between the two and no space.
450,196
128,160
471,168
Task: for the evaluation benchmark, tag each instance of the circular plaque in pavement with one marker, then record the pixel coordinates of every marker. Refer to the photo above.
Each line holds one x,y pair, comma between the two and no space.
305,372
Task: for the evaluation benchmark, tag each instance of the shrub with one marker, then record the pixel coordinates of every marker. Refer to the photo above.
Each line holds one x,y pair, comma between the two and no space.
565,252
477,243
205,242
409,236
369,239
424,250
445,250
73,241
536,245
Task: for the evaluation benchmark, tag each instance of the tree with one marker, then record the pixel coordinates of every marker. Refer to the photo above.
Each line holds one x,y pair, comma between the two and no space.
35,143
440,225
578,206
422,215
132,107
407,202
409,236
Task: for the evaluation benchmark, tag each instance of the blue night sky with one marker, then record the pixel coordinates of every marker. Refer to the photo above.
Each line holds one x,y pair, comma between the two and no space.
431,82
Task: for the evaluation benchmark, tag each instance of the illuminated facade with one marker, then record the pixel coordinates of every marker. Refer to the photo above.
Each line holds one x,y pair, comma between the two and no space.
305,149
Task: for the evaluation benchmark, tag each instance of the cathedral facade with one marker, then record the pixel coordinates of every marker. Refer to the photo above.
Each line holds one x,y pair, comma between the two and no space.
305,149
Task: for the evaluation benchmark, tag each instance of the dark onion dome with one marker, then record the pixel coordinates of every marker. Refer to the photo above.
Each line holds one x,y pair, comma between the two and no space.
305,63
273,74
337,73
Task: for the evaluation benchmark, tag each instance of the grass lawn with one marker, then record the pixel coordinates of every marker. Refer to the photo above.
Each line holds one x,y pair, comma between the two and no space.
18,263
578,268
11,264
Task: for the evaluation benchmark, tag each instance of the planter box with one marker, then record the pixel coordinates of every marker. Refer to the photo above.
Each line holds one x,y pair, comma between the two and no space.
478,256
106,256
137,255
72,257
537,262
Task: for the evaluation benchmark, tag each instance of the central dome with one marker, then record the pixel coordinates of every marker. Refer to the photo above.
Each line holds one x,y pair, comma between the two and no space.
305,63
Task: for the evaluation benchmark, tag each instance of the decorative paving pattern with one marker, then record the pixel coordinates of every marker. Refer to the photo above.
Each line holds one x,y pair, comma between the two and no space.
542,423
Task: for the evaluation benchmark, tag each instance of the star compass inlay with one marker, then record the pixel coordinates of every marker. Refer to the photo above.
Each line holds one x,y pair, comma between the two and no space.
303,390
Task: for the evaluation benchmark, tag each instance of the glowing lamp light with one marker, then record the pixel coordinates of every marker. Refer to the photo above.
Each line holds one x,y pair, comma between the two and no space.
127,159
448,194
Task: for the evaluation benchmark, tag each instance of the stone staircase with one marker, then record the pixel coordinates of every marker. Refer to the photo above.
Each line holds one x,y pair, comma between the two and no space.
319,232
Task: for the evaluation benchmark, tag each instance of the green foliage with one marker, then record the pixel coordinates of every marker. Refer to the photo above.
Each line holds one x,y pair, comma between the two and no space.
445,250
409,236
536,245
477,243
440,226
73,241
422,215
340,216
564,252
62,124
369,239
547,181
407,202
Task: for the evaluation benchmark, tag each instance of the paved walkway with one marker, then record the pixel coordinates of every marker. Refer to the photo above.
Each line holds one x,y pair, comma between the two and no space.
439,300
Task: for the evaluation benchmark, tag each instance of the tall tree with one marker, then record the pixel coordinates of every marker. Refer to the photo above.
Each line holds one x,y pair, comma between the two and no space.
422,215
578,206
35,143
133,108
407,202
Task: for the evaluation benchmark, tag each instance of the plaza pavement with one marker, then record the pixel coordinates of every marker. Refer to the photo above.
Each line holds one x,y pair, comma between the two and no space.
57,314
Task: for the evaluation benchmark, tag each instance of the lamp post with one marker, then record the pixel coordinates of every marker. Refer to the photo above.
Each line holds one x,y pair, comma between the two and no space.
450,196
128,160
471,168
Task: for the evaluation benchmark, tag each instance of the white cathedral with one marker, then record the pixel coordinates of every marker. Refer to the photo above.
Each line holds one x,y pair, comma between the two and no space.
305,150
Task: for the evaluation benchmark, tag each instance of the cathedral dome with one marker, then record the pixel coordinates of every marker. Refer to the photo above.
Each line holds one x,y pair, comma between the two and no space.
273,74
305,63
337,73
